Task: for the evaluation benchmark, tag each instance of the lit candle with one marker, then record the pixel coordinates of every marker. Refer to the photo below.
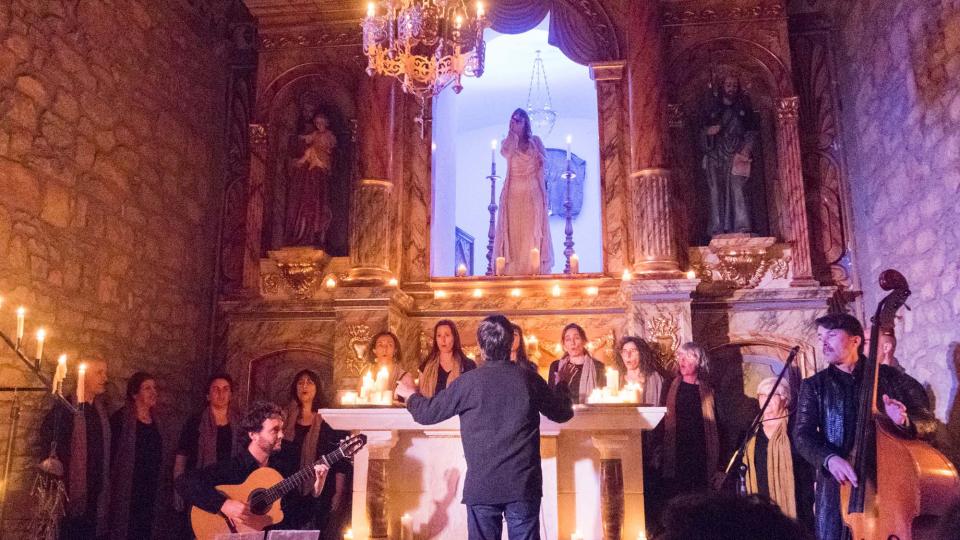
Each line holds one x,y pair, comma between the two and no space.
41,335
439,294
393,282
371,10
535,260
21,313
406,527
349,398
493,152
382,377
627,276
461,270
569,142
576,535
515,293
480,10
59,375
691,274
348,535
366,387
458,22
613,380
593,291
574,264
555,290
81,378
501,264
331,282
478,293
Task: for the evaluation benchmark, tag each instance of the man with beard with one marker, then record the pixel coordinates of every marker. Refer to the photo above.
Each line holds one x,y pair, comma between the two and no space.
827,415
263,426
726,140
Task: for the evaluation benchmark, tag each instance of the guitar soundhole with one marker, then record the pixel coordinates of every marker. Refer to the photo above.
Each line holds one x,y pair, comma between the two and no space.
258,502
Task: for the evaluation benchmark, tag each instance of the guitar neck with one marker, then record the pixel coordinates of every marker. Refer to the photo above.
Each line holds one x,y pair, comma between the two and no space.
297,479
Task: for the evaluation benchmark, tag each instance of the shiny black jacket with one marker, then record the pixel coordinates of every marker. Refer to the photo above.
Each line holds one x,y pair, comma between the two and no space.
827,420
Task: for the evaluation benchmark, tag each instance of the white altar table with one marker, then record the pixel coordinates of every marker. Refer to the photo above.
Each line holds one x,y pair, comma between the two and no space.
416,470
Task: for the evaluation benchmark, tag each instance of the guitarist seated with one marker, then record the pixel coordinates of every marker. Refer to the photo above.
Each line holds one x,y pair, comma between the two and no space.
263,425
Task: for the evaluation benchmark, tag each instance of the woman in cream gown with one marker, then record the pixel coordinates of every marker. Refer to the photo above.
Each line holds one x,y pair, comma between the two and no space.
522,221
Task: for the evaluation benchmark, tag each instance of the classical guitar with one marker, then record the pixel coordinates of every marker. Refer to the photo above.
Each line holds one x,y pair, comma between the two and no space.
262,491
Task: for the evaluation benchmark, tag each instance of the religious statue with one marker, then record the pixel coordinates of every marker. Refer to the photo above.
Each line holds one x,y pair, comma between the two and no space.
308,169
522,224
727,137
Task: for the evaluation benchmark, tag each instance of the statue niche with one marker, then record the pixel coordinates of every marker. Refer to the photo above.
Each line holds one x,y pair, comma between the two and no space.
312,175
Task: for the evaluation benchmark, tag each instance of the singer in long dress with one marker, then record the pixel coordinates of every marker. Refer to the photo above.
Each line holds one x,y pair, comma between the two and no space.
522,220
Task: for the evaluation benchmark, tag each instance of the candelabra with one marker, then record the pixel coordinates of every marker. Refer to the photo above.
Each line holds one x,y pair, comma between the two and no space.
568,252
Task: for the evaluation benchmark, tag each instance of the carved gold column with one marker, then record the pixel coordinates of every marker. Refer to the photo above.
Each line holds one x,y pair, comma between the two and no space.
373,206
254,218
788,150
611,482
656,252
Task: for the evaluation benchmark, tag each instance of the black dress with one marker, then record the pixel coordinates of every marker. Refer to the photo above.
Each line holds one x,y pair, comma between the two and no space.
146,473
691,450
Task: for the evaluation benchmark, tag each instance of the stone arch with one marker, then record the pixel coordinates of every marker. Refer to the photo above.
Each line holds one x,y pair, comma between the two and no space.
270,374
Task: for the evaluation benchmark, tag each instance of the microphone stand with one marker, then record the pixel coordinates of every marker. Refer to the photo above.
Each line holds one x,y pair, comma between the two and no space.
752,432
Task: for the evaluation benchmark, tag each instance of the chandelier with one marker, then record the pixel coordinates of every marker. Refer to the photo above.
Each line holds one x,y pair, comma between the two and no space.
539,105
426,44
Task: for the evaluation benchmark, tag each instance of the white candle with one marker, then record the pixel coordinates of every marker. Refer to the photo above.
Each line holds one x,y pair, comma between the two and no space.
349,398
41,335
569,141
574,264
613,380
576,535
501,264
382,376
81,378
480,10
59,375
535,261
371,10
366,387
493,152
461,270
21,312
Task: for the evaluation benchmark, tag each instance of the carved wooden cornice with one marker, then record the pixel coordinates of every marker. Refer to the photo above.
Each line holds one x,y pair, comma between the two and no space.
680,13
339,36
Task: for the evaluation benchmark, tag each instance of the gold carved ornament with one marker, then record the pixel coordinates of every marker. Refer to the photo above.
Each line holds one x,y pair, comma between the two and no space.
663,333
359,341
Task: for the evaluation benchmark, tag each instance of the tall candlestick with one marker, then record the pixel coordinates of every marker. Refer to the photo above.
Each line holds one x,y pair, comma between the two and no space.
81,378
535,260
41,335
574,264
21,312
59,375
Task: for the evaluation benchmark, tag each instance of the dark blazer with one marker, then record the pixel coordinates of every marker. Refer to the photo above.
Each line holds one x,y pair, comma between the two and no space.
499,404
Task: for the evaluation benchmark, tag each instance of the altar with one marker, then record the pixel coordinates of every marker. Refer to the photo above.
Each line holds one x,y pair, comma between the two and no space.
408,480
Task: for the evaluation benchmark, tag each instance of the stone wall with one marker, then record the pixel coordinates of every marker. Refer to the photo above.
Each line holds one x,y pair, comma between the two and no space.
900,76
110,136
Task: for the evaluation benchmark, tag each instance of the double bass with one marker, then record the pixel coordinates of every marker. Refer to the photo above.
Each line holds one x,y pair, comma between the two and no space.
904,484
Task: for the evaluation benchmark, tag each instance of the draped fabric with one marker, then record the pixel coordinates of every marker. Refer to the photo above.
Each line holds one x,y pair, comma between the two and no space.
579,28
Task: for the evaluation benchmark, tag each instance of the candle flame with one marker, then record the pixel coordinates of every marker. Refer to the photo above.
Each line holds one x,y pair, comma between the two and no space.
477,293
627,276
593,291
555,291
515,292
41,334
691,274
62,360
21,311
439,294
493,146
331,282
480,10
83,368
569,139
371,10
393,282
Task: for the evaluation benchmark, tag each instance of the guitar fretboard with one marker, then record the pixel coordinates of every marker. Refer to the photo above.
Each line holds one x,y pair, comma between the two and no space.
297,479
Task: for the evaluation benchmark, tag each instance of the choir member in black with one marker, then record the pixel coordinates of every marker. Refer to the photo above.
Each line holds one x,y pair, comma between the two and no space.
691,446
262,428
446,360
827,414
499,405
83,445
207,437
135,466
774,468
576,370
637,364
308,438
518,350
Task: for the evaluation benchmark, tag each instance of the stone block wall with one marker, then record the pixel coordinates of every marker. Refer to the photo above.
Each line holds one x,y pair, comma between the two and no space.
900,78
110,144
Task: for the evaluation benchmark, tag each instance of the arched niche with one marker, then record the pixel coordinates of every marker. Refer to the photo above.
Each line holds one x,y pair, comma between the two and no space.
766,81
281,107
272,374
